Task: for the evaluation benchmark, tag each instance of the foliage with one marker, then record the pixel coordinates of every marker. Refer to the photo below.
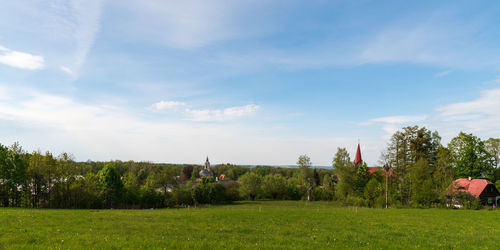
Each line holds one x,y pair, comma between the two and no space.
492,146
470,156
304,163
250,185
372,191
274,186
346,173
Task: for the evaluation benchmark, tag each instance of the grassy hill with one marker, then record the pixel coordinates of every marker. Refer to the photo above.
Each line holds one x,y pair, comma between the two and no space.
261,224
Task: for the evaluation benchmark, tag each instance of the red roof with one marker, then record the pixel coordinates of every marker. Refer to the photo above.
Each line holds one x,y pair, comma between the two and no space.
371,170
474,186
357,159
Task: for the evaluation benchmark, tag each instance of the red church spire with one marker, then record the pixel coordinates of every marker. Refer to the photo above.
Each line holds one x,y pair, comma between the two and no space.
357,159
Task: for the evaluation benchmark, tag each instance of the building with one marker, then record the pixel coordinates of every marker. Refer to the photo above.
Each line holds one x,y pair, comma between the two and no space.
206,172
484,189
358,161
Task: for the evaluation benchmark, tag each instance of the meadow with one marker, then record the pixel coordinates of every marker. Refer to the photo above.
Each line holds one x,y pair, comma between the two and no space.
250,225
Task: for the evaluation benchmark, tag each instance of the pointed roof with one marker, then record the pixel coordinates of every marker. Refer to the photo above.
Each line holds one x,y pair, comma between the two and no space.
357,159
474,186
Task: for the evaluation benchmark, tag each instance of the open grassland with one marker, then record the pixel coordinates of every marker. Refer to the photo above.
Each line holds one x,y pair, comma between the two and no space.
250,225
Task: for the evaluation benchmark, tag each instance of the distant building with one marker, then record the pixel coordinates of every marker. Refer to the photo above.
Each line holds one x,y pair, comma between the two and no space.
205,172
484,189
358,161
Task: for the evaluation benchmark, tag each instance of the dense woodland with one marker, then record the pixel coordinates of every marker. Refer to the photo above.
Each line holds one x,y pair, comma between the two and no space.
420,170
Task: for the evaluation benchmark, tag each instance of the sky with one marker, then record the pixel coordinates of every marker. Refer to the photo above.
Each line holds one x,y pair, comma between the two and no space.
243,82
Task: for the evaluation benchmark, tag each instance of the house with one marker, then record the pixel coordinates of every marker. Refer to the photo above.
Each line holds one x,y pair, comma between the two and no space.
484,189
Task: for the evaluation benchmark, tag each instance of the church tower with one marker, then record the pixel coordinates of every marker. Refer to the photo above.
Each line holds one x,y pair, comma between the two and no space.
357,160
207,164
205,172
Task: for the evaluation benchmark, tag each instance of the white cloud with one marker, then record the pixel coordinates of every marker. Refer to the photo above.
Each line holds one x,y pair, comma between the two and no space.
204,115
488,104
192,24
395,119
87,15
20,60
66,70
480,116
164,105
101,132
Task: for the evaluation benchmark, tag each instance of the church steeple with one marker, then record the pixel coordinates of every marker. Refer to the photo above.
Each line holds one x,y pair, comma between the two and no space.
207,164
357,159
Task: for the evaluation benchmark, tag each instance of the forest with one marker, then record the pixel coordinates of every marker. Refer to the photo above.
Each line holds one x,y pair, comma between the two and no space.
420,169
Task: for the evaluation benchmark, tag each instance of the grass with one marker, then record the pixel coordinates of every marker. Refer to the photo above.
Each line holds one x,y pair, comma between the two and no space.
250,225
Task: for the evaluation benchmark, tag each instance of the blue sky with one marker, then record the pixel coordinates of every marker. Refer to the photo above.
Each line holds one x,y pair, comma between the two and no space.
245,82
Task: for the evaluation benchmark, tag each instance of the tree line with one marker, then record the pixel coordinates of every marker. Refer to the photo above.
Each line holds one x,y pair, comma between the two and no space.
420,170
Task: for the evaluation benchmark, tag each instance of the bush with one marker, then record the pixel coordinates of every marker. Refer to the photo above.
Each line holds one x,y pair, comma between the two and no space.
322,193
232,190
355,201
250,185
208,193
273,186
182,196
150,198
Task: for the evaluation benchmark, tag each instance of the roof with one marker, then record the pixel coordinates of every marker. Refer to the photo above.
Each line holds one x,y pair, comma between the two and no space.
357,159
371,170
474,186
205,173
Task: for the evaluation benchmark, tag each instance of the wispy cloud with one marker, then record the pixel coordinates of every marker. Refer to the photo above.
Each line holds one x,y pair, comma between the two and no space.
488,103
66,70
205,115
21,60
165,105
402,119
106,131
481,116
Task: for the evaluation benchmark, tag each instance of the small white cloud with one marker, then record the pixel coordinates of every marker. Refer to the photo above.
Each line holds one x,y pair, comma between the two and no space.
20,60
395,119
164,105
443,73
204,115
487,104
66,70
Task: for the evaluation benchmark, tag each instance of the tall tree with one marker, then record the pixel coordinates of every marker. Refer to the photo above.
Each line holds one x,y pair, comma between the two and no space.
422,195
405,148
492,146
111,181
250,184
346,173
470,156
443,174
304,163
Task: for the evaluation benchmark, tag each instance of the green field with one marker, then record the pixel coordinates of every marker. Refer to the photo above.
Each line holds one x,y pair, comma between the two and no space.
261,224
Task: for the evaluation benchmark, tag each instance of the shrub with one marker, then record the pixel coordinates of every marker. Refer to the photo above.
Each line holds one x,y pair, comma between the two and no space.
232,190
250,185
181,195
208,193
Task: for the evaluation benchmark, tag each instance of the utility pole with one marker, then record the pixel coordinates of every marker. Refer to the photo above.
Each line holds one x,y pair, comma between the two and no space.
387,168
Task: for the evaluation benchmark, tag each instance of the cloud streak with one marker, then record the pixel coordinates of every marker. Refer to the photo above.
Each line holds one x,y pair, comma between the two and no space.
21,60
208,115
